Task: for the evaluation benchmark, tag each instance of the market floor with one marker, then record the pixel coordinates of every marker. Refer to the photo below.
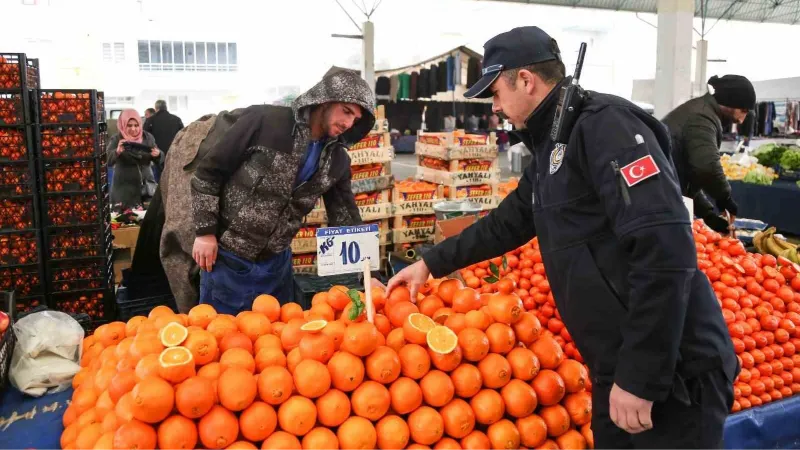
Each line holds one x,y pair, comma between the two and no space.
405,165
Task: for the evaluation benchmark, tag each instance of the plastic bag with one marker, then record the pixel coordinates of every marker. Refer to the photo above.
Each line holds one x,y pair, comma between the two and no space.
47,353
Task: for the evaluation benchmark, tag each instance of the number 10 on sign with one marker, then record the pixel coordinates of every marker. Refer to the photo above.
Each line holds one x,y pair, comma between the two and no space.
342,249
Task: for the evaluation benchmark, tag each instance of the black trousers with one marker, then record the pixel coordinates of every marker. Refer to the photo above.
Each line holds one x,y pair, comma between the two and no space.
693,416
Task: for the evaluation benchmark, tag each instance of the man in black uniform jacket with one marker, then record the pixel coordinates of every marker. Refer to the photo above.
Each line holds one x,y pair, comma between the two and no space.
617,244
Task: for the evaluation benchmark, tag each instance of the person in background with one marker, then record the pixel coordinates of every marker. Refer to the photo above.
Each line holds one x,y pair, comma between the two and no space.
696,130
130,153
472,123
252,190
483,124
618,250
460,121
744,131
494,122
163,125
149,113
449,122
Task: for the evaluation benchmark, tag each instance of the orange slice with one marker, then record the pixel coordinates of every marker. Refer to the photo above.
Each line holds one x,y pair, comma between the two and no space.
176,364
416,327
442,340
173,334
314,325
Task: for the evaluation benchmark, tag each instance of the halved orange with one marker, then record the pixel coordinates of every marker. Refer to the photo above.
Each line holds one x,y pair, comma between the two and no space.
173,334
416,327
442,340
314,325
176,364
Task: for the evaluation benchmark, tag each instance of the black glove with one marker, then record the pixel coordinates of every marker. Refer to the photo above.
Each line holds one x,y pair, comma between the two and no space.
717,223
728,205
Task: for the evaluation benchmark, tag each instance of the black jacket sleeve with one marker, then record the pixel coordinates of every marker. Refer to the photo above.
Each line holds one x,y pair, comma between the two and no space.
217,167
507,227
702,207
340,203
654,230
705,168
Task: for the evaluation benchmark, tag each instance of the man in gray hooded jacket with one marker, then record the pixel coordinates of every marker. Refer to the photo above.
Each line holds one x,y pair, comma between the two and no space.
251,192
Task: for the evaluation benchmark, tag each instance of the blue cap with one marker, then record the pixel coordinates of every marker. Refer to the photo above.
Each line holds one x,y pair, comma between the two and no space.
519,47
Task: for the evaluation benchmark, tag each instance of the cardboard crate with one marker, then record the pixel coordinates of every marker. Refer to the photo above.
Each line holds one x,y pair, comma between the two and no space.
379,183
375,205
126,237
409,235
371,156
305,263
416,203
459,165
317,217
384,229
456,145
305,241
458,179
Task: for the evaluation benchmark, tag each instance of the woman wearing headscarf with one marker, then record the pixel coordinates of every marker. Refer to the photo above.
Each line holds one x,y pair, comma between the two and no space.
130,153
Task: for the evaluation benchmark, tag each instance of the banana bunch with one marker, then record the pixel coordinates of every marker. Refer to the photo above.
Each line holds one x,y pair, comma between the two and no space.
767,243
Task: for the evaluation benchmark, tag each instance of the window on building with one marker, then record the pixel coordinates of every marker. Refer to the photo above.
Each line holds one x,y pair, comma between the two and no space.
180,56
113,52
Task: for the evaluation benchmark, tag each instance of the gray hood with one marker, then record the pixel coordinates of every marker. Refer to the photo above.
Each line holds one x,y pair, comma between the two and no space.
344,87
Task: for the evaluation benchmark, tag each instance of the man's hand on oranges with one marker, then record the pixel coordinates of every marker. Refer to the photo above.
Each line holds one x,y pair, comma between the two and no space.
413,277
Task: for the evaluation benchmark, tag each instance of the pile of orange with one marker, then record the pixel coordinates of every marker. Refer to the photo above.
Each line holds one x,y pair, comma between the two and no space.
455,370
759,296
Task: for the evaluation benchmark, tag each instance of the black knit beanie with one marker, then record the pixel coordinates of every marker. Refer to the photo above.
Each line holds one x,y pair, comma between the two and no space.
733,91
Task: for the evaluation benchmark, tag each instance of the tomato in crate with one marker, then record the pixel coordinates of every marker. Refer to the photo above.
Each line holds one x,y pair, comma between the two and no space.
70,176
68,106
12,109
13,144
18,72
15,180
76,275
71,141
92,303
24,280
18,249
16,214
28,303
82,209
75,243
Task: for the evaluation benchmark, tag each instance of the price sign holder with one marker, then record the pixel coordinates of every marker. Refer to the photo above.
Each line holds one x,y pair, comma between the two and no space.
343,249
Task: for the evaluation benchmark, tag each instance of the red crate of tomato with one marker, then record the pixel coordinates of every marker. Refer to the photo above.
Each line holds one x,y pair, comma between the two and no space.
15,180
16,214
18,72
12,108
70,176
58,142
92,303
75,243
69,106
18,249
77,275
82,209
24,280
13,144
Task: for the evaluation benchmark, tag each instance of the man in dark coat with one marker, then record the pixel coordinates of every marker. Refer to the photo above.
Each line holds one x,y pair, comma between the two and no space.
617,245
163,125
696,129
252,190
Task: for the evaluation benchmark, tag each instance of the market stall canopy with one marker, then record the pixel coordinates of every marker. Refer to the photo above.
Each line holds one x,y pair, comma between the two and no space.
772,11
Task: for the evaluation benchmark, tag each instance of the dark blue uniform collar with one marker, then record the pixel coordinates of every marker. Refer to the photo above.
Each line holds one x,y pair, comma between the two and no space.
540,121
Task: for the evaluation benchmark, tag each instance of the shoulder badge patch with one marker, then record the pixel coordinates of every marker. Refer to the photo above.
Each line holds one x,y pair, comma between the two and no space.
557,157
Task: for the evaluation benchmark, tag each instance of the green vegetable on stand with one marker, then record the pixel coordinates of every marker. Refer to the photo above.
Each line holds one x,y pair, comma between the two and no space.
758,176
770,154
790,160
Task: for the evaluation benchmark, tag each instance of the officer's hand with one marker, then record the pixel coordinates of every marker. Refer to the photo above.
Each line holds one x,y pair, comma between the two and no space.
728,205
412,276
629,412
204,251
717,223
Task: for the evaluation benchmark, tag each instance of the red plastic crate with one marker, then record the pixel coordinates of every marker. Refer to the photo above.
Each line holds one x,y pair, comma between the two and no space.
25,281
13,144
18,249
18,72
17,214
79,275
12,108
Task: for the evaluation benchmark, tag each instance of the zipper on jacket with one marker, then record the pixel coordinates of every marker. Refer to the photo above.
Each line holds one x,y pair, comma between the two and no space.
626,197
321,155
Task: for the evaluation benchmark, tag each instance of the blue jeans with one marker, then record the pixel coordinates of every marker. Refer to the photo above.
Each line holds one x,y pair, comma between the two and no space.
234,283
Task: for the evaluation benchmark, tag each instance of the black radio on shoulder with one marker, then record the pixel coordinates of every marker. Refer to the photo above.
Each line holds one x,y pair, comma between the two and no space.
570,102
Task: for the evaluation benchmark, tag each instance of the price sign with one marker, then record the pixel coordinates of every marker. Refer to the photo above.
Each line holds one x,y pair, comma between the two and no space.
343,249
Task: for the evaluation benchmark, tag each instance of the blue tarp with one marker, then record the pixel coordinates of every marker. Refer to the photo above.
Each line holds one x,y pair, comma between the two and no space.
775,204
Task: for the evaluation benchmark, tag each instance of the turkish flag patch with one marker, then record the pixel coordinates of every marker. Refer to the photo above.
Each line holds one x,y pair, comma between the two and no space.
639,170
